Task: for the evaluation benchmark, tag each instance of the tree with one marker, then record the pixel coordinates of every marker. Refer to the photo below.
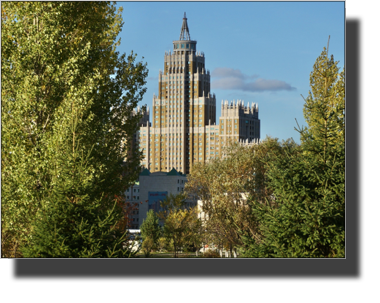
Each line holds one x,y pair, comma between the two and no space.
181,223
222,186
67,104
150,232
80,227
147,247
308,183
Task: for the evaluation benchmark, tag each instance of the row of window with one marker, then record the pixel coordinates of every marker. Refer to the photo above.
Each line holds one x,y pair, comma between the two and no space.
135,190
228,121
134,197
184,45
228,132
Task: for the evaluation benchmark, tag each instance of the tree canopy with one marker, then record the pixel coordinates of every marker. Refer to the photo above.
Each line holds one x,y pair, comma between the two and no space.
308,182
67,105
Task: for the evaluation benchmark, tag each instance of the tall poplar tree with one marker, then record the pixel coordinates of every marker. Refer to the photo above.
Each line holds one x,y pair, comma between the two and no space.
308,183
67,104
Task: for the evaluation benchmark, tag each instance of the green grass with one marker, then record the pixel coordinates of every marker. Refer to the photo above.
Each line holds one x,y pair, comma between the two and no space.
170,255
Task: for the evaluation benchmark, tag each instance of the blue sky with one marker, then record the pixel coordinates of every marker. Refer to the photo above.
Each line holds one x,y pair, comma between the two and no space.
260,52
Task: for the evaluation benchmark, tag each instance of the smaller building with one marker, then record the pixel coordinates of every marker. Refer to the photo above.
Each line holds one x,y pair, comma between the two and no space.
155,187
133,200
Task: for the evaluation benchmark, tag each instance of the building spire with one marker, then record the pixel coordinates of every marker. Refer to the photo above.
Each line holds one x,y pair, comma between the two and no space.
185,35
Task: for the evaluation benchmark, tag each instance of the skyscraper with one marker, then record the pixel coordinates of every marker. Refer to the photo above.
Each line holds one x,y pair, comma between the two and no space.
184,127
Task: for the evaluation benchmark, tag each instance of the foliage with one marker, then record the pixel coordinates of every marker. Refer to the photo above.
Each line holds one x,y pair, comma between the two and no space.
308,182
222,187
67,104
181,224
129,209
150,232
150,227
147,246
164,244
75,223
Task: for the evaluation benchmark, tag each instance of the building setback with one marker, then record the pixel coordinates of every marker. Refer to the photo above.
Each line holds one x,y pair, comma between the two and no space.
184,129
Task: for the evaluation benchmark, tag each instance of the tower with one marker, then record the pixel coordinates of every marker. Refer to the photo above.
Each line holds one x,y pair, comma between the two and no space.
184,129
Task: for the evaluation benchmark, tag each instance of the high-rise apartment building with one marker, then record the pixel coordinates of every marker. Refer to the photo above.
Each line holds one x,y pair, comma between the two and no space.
184,129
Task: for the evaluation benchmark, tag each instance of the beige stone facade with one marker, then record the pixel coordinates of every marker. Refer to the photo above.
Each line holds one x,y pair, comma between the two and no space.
184,129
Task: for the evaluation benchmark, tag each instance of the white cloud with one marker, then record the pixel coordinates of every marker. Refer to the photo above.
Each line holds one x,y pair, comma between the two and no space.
234,79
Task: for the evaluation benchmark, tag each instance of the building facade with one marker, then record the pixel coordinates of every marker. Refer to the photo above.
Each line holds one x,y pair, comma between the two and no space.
132,196
155,187
184,129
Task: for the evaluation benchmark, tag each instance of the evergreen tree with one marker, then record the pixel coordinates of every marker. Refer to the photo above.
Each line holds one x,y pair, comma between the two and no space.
308,183
67,104
77,222
150,232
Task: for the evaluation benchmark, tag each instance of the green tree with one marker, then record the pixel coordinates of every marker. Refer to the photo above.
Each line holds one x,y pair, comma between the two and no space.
150,232
222,186
147,247
67,104
181,223
308,182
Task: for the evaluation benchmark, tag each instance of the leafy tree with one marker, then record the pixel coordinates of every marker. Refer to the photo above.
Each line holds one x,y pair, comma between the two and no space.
223,186
67,104
181,223
150,232
162,244
147,247
308,183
